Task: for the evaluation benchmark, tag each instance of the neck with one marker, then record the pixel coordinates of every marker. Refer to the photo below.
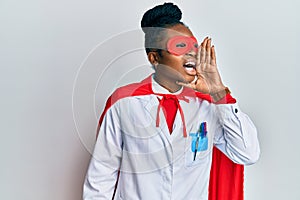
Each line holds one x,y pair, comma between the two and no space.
170,85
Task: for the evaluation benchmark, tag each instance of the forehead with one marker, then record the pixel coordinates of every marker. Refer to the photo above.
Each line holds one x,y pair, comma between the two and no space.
178,30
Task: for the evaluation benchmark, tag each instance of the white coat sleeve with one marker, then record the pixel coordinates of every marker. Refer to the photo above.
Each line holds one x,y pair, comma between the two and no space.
101,177
236,135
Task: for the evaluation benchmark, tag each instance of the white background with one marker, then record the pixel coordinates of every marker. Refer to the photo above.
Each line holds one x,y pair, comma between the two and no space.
56,73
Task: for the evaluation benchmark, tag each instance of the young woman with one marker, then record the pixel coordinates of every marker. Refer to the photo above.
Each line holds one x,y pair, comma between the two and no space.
178,134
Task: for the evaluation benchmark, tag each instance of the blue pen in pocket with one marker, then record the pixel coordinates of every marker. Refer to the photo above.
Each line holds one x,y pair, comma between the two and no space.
199,139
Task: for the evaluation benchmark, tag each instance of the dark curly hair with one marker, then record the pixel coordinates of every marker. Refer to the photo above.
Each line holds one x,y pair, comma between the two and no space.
155,20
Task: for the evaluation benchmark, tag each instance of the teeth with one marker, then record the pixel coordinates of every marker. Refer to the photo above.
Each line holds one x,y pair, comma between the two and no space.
189,69
190,64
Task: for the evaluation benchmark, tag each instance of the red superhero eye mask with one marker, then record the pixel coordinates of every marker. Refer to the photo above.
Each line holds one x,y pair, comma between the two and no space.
180,45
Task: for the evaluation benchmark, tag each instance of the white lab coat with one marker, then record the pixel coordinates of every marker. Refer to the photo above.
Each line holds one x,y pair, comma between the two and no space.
154,164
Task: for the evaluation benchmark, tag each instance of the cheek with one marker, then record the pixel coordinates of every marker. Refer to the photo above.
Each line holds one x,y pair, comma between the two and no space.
177,63
172,60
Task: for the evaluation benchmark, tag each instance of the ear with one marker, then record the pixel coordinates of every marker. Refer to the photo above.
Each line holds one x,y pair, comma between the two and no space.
153,58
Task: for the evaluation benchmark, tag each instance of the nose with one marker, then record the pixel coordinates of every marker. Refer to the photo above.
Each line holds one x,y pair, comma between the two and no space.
191,53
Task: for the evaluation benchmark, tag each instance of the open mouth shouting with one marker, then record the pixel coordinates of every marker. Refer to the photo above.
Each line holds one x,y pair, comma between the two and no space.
190,67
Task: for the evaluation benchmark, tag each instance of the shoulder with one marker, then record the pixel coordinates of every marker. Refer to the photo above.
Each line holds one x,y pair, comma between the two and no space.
131,90
134,89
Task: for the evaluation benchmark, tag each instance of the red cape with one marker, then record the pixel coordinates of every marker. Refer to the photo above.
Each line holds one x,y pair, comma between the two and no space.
226,178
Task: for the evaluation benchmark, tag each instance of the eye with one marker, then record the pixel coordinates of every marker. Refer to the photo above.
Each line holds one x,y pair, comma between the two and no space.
196,45
180,45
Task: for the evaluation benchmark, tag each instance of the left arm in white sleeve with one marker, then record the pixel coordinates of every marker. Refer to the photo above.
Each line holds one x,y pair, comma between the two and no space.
236,135
102,174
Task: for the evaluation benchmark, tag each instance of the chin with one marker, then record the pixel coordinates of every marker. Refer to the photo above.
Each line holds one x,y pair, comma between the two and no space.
183,77
189,79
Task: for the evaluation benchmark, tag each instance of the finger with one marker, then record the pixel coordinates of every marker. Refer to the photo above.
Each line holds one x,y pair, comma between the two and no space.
204,41
189,85
208,44
202,54
200,64
213,56
202,50
208,51
198,56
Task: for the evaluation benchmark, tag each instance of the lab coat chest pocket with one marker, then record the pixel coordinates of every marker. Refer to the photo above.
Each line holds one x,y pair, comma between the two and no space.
201,156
